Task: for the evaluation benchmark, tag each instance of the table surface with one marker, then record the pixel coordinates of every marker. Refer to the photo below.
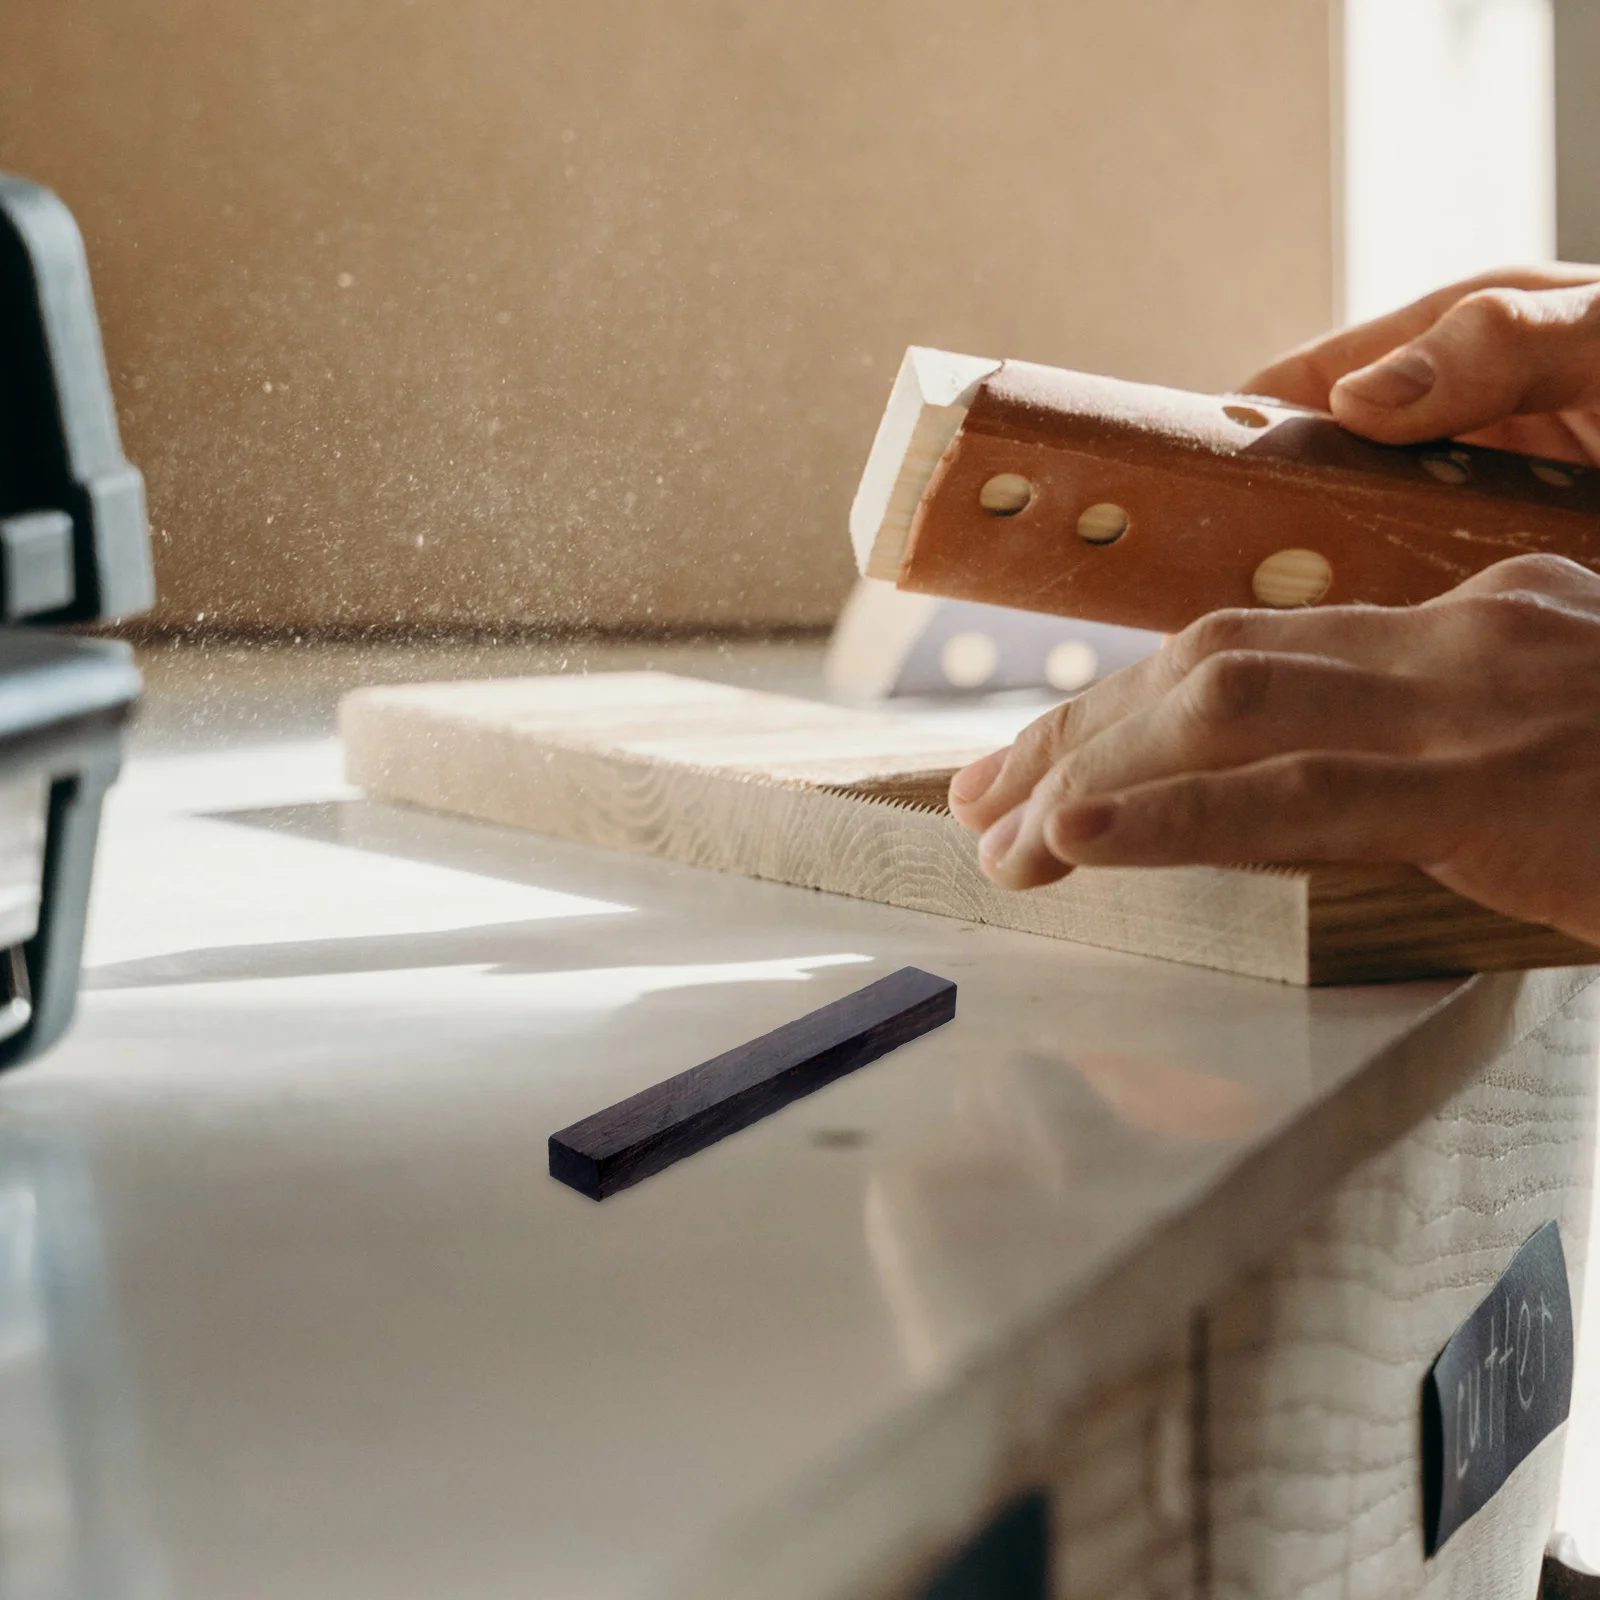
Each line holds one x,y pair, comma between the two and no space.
280,1199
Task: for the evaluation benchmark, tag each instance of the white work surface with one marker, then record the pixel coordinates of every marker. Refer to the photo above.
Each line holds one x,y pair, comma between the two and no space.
351,1340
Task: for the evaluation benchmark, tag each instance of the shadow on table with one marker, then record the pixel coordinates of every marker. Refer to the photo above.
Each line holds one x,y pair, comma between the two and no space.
721,935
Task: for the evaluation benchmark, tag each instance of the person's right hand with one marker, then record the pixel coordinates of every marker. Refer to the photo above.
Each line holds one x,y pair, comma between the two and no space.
1509,359
1461,735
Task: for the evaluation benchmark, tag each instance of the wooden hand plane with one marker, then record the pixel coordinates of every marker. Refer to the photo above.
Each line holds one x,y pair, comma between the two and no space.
1056,491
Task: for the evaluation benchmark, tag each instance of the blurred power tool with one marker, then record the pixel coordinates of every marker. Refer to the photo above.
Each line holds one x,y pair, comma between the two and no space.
74,547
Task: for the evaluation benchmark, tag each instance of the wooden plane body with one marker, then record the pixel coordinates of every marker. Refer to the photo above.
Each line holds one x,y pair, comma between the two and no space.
1046,490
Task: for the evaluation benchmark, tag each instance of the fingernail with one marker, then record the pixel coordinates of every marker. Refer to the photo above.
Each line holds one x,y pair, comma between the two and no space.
974,782
1000,838
1080,824
1398,380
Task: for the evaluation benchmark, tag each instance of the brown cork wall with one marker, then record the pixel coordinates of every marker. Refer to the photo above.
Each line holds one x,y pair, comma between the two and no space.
485,312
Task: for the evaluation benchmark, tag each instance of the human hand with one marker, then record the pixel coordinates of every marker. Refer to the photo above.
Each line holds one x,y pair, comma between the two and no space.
1509,359
1462,735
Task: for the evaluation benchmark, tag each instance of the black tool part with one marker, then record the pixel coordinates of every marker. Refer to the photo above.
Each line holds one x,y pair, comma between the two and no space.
1566,1575
63,703
74,542
74,547
638,1136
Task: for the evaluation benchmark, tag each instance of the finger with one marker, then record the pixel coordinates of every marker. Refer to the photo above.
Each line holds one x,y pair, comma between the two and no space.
1246,706
975,780
1495,354
1306,376
1383,638
1551,580
981,794
1300,808
1233,710
1556,436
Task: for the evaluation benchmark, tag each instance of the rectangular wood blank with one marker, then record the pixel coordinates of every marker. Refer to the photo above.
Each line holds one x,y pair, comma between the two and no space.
651,1130
853,802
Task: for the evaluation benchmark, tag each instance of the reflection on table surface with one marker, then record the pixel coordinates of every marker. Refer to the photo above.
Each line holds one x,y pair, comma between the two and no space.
373,1348
73,1514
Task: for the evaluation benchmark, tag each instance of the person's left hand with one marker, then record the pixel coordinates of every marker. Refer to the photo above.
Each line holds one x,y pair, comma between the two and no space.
1462,735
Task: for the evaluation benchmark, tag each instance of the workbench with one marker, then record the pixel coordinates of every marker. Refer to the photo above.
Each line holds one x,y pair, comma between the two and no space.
292,1308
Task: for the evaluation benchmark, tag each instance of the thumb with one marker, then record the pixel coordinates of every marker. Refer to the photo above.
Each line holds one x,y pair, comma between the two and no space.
1494,354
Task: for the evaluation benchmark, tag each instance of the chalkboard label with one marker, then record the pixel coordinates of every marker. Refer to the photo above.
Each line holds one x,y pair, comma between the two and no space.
1501,1385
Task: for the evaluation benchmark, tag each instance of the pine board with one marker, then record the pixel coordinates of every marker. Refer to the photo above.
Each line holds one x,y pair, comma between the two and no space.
852,802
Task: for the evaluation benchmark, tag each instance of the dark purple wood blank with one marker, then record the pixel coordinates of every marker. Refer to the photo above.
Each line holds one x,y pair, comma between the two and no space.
628,1141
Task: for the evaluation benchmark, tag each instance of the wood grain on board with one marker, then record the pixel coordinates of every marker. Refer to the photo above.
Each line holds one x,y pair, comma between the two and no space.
853,802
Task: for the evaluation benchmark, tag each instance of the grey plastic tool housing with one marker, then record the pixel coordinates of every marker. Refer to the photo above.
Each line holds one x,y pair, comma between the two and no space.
74,540
74,548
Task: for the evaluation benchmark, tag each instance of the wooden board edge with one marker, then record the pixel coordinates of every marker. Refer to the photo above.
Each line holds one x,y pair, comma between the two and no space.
1354,909
1250,923
1331,924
